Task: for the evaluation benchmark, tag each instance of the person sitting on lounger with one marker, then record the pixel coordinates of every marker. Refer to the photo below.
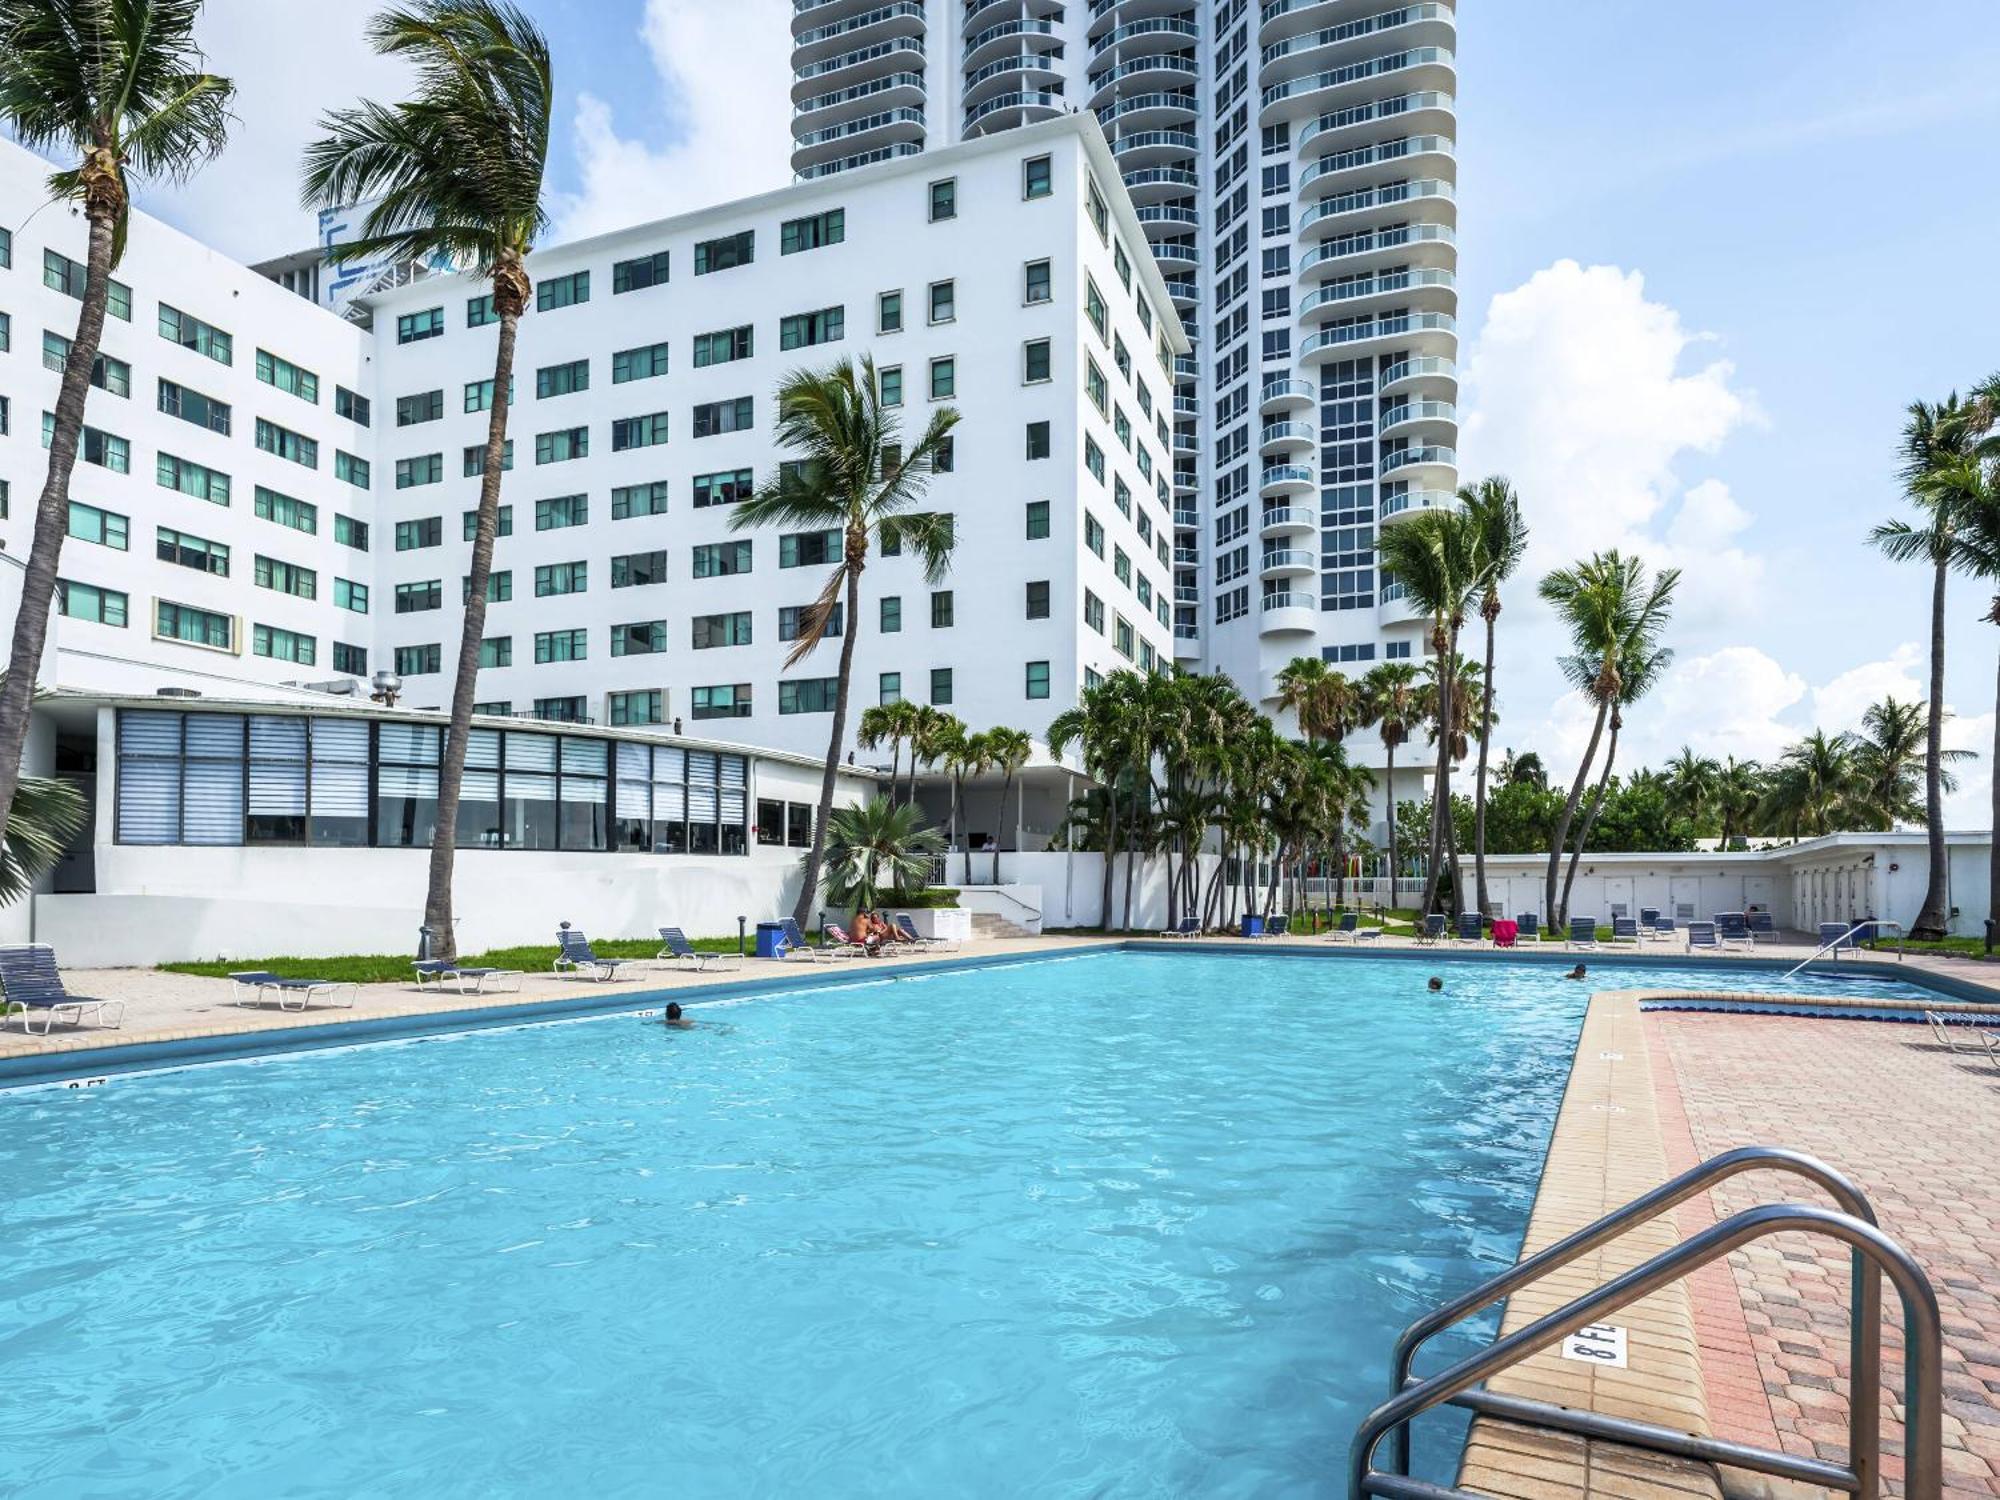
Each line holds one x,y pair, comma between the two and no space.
1577,973
868,933
676,1019
892,932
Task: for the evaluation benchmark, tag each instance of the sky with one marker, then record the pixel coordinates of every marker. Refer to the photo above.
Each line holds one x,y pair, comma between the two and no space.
1709,252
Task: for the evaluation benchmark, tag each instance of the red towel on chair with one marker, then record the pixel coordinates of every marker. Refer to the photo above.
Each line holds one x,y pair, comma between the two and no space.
1505,930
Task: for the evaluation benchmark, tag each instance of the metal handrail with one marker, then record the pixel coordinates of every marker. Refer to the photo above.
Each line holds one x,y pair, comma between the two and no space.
1848,938
1867,1329
1923,1456
997,891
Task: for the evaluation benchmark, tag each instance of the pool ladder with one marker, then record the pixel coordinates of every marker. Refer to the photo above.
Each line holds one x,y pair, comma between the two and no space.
1873,1251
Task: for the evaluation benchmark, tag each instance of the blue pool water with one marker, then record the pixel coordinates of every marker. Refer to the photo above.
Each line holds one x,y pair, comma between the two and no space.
1114,1225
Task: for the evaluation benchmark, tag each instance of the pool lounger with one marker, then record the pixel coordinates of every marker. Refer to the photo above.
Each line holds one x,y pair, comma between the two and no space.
950,945
255,986
28,973
467,979
573,954
1582,933
677,948
1350,930
1625,931
1188,927
1433,930
1962,1038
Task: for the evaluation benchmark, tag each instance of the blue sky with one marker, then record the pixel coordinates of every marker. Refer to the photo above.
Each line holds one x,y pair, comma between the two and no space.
1709,251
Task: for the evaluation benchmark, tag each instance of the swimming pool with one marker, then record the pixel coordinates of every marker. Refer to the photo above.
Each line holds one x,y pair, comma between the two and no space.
1120,1224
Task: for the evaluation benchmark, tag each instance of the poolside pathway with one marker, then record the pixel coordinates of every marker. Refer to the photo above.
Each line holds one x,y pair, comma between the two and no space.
1918,1128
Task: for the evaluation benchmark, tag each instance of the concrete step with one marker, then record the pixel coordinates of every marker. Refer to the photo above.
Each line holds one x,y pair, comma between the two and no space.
987,925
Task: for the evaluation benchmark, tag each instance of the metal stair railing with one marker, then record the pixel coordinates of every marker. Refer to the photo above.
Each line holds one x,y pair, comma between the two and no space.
1846,939
1923,1372
1865,1338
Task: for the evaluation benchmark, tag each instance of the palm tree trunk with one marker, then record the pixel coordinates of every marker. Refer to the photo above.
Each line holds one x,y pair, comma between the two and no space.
1552,911
1006,787
1110,851
1131,859
1441,788
1590,818
1395,863
1479,785
809,887
958,791
38,582
1931,917
895,759
472,631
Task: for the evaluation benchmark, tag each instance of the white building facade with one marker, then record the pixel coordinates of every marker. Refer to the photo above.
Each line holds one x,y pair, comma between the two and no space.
1293,163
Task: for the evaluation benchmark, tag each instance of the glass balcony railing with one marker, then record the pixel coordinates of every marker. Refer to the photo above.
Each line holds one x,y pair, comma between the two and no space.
901,9
1374,67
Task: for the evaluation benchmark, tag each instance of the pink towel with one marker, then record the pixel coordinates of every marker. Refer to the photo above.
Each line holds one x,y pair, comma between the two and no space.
1505,930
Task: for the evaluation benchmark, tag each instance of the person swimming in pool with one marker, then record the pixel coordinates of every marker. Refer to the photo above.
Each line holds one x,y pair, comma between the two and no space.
1577,973
676,1019
1435,985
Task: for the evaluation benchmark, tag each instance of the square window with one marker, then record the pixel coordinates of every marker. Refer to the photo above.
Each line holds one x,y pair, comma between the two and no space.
944,199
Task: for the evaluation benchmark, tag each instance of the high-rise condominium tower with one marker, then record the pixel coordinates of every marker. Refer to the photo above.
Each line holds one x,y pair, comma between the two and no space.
1293,165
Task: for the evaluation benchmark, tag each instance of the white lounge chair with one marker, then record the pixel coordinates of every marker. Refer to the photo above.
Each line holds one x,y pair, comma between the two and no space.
467,979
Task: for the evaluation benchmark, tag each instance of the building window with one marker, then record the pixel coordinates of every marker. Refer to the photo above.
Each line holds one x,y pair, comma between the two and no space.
285,510
1038,599
416,326
503,522
479,394
727,701
559,380
496,651
1093,308
944,378
479,311
813,231
474,459
284,645
186,551
1035,364
1093,459
793,619
287,377
889,385
350,533
715,417
424,406
1038,679
572,709
714,631
355,471
106,373
286,444
1121,637
193,406
638,432
177,327
640,638
427,468
1036,286
636,275
723,345
426,532
193,479
941,609
1093,533
561,447
809,549
944,199
808,695
194,627
891,614
419,661
562,291
722,559
350,659
1037,177
86,601
561,578
889,312
107,528
889,688
944,301
635,570
561,510
1093,204
940,685
105,449
499,586
286,578
350,595
801,330
723,254
647,706
629,500
1038,520
1093,611
638,364
1038,440
419,598
561,645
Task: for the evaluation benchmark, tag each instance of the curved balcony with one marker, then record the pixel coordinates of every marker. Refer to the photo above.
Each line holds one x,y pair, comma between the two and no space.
1154,184
1287,520
1287,562
1290,17
1419,112
1175,214
1421,69
859,159
991,41
1287,395
811,15
1105,15
1024,108
1288,612
1148,34
1430,373
1421,333
1426,466
1300,36
1279,438
1147,72
1184,292
888,127
1172,254
1018,73
1281,481
1146,148
1414,502
1420,420
1186,482
1187,643
979,14
1393,606
1187,518
891,91
898,54
1381,163
1427,199
1429,291
1425,245
1161,111
878,24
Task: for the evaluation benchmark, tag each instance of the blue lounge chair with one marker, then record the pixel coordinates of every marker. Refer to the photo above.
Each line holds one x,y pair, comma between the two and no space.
1838,938
1732,930
1625,930
254,986
1530,927
1350,930
1582,933
1434,929
573,954
1278,926
28,974
465,978
1471,929
1702,939
1649,917
1187,927
794,941
1663,928
677,947
1762,924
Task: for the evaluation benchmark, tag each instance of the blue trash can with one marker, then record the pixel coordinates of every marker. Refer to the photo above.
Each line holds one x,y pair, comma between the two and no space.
770,939
1253,926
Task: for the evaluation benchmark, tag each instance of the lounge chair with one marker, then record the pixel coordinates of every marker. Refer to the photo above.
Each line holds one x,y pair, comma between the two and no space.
795,942
1529,927
467,979
1991,1041
1582,933
1649,918
1471,928
255,986
675,946
1278,926
1701,938
1662,930
1961,1040
1838,938
1433,930
573,955
1625,930
1350,930
1732,930
1188,927
29,976
1762,924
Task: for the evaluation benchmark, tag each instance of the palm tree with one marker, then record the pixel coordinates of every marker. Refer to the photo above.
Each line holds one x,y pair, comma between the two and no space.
1692,784
874,845
1614,614
1813,785
1392,700
931,730
455,171
1739,789
966,755
1009,749
1326,702
1435,557
1463,699
1933,435
848,473
885,723
1888,755
1503,541
47,816
118,87
1638,672
1099,726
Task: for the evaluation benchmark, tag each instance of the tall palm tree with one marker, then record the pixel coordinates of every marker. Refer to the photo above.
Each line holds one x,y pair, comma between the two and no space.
1392,701
1100,727
1739,789
1813,785
847,473
966,755
1691,785
1614,614
1641,669
1463,700
1010,749
1933,436
118,87
455,171
1503,541
1325,702
880,724
1435,556
930,731
1889,757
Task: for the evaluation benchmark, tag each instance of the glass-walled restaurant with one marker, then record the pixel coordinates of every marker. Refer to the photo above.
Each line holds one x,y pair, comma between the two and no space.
203,778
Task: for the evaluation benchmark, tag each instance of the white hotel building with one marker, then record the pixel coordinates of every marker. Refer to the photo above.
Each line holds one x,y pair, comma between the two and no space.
1293,163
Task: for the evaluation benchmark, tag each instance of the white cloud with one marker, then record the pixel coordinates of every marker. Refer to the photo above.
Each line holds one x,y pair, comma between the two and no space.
1732,701
1838,705
727,135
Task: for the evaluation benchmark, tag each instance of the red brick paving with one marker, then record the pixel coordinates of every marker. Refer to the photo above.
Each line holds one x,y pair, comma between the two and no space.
1918,1129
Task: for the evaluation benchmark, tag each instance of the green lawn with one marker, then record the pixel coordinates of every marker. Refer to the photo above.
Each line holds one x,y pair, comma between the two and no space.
380,968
